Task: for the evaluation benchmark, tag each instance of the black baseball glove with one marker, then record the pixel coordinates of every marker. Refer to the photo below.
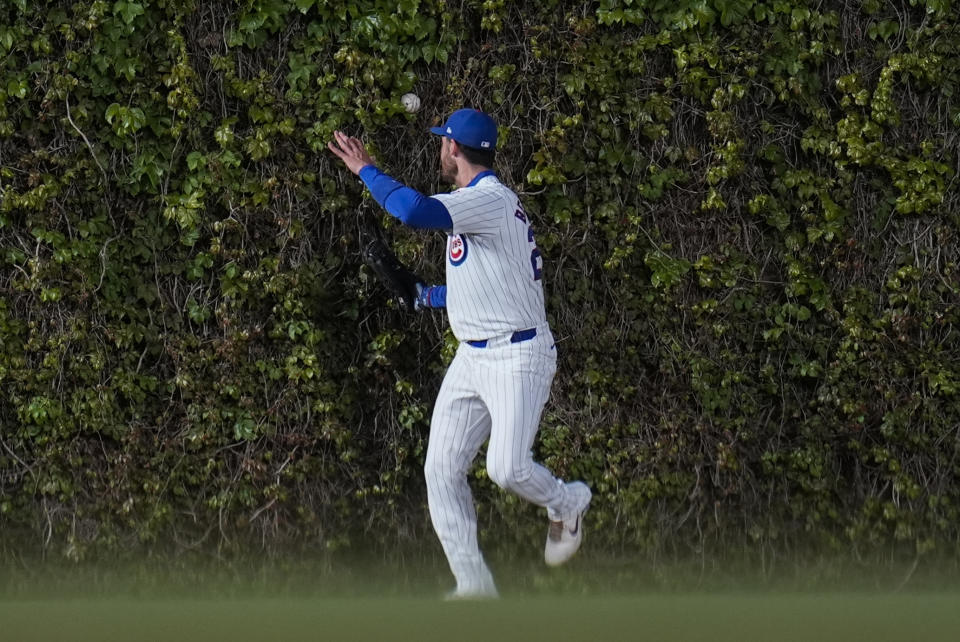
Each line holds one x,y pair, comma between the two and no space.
399,281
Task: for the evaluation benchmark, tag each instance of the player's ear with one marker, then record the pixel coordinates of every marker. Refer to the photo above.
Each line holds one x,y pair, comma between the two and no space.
454,147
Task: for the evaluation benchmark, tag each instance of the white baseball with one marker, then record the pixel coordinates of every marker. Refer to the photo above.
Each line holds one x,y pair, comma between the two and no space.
410,102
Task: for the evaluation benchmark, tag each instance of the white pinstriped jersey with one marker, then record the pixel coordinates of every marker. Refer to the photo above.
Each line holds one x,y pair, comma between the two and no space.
494,269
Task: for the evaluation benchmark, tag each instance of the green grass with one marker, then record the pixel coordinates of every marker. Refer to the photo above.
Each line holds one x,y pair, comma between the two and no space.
688,617
592,599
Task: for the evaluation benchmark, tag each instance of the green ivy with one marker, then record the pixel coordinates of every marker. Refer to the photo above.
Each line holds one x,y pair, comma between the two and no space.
747,211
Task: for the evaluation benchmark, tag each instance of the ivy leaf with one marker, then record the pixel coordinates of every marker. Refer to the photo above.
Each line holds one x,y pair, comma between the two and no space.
300,72
938,7
258,148
704,14
884,29
128,10
112,112
666,271
17,88
194,159
224,133
6,39
251,22
408,7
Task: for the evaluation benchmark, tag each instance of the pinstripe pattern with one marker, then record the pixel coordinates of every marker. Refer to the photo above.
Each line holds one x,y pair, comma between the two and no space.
459,426
493,291
496,392
518,385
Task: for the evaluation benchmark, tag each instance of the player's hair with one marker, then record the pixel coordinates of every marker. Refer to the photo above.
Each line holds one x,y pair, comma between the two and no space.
476,156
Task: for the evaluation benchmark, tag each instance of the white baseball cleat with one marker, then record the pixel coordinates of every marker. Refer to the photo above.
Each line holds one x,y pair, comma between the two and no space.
564,536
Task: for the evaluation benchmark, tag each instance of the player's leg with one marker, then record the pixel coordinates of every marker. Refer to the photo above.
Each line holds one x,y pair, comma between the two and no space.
516,385
459,426
516,391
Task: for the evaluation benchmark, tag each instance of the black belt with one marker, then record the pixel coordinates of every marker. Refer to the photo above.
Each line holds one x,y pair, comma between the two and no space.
516,337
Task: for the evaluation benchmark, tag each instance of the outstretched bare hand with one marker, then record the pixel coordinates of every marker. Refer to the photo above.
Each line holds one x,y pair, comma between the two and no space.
350,150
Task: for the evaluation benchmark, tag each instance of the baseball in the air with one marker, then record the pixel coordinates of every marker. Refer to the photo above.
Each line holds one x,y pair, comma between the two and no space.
410,102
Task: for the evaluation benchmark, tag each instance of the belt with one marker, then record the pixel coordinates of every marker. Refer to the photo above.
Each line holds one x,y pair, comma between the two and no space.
516,337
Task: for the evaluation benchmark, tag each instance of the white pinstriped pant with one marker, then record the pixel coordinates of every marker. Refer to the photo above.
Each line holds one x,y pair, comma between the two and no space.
498,392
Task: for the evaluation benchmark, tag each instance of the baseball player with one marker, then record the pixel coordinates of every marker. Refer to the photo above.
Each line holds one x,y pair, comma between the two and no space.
500,378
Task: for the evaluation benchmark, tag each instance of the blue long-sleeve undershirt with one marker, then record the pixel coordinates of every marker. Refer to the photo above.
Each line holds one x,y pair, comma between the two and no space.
405,203
434,296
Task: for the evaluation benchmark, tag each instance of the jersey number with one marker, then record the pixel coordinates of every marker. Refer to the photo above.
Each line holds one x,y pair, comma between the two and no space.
535,259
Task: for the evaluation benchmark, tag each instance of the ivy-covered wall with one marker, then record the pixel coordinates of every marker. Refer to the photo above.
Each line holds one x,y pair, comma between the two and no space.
749,215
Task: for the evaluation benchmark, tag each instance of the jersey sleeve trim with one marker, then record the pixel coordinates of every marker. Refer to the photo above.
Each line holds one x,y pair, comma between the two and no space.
434,296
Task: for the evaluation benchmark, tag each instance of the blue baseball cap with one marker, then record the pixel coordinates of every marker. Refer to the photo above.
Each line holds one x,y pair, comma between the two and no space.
471,128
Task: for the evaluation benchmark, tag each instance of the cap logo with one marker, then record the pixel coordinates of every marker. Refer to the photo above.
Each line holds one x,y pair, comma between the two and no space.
449,131
484,144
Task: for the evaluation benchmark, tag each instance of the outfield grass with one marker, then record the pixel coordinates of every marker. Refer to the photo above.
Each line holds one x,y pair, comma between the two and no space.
592,599
687,617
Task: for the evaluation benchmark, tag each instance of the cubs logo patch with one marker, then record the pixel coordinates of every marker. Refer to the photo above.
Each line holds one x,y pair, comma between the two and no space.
457,249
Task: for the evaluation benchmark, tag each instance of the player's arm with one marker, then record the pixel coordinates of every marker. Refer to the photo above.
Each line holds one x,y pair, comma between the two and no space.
405,203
